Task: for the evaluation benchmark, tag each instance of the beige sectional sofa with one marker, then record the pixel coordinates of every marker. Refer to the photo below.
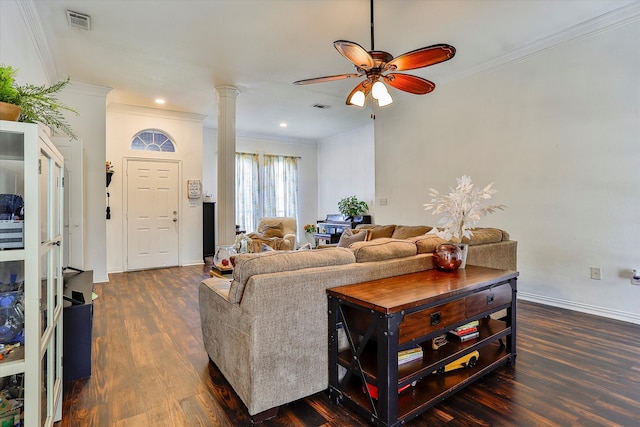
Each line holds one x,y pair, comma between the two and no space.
266,330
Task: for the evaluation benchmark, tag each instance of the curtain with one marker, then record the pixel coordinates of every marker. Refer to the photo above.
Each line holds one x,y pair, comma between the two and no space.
280,195
247,191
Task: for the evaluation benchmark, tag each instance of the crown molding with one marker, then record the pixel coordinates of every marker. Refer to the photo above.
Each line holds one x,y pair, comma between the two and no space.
116,107
605,22
87,89
34,26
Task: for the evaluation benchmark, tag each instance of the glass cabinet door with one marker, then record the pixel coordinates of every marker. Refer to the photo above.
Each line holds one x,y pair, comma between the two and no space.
50,200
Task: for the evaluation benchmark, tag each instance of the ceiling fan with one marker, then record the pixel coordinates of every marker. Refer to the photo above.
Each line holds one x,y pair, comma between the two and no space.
374,64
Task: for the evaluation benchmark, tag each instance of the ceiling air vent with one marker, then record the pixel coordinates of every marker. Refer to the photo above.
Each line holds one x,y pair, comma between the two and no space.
78,20
321,106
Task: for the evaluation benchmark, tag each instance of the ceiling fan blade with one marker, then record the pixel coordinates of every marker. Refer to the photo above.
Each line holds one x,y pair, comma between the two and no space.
354,53
423,57
409,83
326,79
364,87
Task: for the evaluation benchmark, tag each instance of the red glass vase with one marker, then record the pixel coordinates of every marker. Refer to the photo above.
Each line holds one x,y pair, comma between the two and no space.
448,256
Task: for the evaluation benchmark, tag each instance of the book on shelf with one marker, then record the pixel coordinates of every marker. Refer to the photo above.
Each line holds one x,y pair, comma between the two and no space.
409,355
472,324
466,331
466,337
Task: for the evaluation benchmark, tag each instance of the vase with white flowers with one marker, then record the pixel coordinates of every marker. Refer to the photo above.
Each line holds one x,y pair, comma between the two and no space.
461,210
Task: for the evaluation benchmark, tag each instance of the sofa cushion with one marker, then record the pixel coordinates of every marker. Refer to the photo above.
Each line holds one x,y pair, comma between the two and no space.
382,248
483,236
426,243
406,231
248,265
377,231
350,236
272,230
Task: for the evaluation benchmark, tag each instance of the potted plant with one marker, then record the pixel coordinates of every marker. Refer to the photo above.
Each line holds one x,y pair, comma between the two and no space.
461,210
36,103
352,208
9,110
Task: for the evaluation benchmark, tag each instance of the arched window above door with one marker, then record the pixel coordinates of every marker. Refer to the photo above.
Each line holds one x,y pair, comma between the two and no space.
152,140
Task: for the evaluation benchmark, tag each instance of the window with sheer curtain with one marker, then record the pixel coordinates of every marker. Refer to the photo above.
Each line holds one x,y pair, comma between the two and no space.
247,191
276,194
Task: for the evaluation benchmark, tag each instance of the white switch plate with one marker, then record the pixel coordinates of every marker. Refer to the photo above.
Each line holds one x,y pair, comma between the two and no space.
595,273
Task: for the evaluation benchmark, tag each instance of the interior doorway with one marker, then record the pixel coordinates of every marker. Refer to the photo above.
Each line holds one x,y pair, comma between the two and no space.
73,233
152,214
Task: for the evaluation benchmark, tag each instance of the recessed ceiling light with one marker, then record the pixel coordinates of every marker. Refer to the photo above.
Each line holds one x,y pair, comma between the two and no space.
160,101
283,125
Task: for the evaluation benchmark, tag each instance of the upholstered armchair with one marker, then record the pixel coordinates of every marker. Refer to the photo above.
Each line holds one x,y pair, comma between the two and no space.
276,232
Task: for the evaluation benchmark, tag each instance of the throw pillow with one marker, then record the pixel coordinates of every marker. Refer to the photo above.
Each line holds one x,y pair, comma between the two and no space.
266,248
305,247
350,236
377,231
272,230
406,231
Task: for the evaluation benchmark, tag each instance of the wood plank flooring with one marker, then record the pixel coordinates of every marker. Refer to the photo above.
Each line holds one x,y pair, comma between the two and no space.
150,369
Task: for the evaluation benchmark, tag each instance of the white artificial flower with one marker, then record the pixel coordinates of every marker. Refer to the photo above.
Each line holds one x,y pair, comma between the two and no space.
461,209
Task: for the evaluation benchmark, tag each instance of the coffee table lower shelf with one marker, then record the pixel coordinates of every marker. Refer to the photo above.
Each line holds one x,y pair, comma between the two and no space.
427,392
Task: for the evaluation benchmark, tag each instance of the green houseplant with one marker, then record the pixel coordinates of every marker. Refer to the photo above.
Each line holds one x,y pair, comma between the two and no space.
9,108
351,207
37,103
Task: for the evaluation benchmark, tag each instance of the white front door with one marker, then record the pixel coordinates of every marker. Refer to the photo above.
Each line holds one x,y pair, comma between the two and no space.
152,214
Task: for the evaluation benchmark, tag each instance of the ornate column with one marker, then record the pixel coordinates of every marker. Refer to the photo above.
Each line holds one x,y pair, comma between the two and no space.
226,164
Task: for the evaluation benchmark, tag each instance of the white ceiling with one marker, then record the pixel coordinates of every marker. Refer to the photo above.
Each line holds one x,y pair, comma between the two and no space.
182,50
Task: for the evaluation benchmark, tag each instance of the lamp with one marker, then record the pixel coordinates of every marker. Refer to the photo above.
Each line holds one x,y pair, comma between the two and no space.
379,90
385,100
357,98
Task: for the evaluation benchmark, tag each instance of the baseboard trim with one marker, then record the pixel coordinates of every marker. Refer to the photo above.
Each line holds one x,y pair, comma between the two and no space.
100,279
583,308
193,262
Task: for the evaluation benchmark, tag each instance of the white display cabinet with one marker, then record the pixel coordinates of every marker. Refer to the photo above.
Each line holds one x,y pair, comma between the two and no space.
31,225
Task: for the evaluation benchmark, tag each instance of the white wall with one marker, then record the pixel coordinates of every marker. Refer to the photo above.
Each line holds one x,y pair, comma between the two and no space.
20,34
307,168
186,131
558,133
17,47
90,125
346,167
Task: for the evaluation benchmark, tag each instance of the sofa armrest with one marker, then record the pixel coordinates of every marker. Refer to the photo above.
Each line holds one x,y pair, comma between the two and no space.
291,241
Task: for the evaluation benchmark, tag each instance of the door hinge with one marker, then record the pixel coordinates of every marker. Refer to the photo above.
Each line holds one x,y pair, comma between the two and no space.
63,182
39,166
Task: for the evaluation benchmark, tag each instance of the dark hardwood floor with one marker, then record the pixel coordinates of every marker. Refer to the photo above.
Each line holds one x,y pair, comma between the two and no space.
150,369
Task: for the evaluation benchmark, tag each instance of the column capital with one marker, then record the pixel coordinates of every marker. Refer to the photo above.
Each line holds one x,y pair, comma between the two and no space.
227,91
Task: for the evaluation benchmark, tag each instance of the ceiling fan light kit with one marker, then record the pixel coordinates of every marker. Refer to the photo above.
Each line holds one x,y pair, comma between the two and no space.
357,99
374,64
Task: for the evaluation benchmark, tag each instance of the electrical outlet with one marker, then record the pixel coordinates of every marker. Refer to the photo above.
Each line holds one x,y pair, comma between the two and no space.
383,202
595,273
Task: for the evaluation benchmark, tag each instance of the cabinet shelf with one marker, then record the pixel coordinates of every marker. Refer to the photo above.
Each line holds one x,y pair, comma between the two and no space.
422,306
12,363
7,255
